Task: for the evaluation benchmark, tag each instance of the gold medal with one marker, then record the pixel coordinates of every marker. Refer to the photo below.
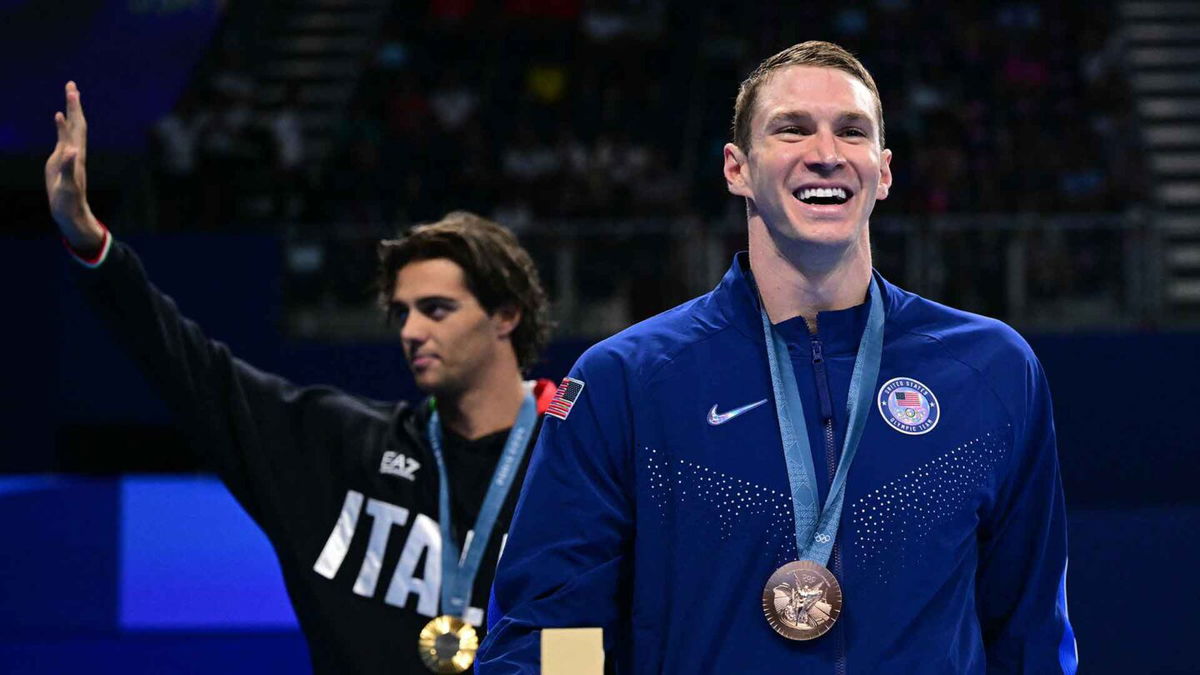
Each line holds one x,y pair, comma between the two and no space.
447,644
802,600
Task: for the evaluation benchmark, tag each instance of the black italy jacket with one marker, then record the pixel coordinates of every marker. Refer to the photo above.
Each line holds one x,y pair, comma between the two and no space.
345,488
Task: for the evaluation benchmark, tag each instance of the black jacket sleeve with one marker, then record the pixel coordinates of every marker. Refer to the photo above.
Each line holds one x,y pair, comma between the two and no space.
273,443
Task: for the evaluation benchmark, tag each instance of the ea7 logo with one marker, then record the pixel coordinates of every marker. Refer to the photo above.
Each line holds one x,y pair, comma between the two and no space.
399,465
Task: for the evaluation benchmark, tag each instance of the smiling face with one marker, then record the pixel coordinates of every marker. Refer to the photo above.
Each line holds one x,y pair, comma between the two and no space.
448,337
814,168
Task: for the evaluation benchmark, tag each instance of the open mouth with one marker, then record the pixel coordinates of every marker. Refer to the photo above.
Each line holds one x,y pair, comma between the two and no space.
823,196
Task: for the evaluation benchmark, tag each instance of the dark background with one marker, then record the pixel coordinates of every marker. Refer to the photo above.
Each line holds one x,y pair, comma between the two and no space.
1023,190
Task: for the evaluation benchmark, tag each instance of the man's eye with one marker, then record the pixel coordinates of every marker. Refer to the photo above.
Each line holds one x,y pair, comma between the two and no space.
436,311
854,131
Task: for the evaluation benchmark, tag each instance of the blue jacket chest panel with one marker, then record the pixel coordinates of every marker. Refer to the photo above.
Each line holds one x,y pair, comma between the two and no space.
910,498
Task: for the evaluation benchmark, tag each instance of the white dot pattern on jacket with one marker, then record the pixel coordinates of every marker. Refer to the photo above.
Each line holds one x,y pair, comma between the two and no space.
731,500
889,525
886,526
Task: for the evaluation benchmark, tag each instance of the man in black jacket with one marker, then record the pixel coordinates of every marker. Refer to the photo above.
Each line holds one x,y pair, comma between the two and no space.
387,519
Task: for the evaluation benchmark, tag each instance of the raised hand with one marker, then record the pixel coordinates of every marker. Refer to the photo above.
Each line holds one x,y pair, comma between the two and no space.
66,178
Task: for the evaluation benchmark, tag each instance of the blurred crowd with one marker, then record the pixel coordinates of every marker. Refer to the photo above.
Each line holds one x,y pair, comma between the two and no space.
542,111
223,158
550,109
603,109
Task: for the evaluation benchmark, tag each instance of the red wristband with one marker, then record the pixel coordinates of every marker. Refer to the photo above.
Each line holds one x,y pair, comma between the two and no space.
98,258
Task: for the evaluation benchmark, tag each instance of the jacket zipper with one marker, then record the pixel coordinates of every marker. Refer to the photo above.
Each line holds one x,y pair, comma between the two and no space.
835,558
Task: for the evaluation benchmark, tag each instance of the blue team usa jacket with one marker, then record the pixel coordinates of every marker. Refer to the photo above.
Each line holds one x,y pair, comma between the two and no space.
658,505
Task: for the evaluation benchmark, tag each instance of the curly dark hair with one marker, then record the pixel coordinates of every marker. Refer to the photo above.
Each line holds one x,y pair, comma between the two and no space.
498,272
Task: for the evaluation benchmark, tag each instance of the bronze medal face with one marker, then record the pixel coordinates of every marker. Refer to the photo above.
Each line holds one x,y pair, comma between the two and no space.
447,645
802,600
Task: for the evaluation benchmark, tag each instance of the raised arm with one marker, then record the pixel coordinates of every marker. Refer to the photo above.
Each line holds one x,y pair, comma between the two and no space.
268,439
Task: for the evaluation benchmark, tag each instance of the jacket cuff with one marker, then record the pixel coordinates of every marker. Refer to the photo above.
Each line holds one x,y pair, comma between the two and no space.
98,258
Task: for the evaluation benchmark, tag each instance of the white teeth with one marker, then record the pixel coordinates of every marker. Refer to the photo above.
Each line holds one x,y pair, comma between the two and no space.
809,193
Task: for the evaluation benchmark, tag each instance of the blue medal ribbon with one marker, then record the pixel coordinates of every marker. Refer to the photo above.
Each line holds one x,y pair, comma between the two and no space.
459,570
816,530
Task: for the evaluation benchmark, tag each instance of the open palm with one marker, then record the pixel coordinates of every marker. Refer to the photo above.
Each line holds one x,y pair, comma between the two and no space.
66,177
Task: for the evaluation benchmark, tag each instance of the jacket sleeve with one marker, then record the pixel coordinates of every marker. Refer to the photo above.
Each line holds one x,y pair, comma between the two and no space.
262,434
1021,584
566,563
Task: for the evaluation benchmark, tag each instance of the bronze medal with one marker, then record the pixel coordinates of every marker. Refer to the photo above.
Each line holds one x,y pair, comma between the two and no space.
802,600
447,644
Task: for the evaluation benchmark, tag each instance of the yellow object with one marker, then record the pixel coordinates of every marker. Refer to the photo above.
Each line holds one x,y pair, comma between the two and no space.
448,644
547,84
572,651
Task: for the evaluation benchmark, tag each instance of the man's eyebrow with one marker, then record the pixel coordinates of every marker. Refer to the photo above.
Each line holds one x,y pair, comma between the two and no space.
848,116
423,300
788,116
435,298
854,116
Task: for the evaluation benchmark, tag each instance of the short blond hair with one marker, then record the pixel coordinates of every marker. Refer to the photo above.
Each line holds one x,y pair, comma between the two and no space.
812,53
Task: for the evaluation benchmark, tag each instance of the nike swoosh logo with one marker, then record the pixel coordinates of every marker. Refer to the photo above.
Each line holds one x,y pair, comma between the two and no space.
715,418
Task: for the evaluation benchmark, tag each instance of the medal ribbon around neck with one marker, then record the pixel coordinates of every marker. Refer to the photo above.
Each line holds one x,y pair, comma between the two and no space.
459,570
815,531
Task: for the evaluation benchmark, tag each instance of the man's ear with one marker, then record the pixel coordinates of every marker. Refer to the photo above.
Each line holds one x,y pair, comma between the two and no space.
885,175
505,320
737,178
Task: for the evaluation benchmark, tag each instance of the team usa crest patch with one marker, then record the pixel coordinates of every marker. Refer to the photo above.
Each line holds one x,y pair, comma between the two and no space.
908,406
564,399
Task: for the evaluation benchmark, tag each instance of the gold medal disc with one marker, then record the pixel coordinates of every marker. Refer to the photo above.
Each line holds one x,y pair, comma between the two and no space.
447,644
802,600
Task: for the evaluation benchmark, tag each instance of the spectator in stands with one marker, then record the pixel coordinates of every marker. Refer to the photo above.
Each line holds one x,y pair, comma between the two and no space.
173,143
286,132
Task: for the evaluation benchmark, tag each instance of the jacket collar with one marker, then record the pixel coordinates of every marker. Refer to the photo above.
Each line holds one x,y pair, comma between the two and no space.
411,421
737,299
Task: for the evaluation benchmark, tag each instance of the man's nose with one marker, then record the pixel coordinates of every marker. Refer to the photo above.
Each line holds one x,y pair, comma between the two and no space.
823,155
412,329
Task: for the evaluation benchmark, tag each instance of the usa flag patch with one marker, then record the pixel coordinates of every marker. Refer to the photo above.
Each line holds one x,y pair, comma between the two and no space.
564,399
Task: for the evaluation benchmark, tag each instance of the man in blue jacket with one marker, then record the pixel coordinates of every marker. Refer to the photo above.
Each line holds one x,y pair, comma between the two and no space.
807,470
